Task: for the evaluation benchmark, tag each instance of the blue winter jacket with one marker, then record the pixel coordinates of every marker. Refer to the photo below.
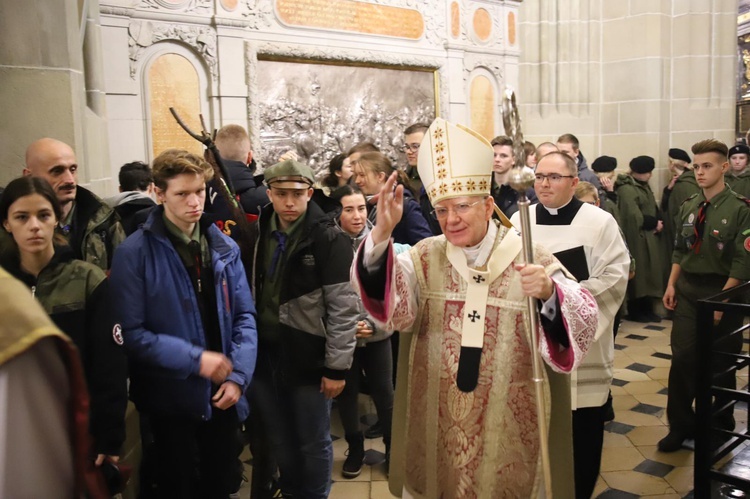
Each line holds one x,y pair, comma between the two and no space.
161,322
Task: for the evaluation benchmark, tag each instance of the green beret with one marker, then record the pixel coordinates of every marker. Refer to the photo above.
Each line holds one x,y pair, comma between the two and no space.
289,174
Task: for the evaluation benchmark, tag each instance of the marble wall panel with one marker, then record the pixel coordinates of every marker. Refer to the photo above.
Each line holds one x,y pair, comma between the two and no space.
483,106
173,82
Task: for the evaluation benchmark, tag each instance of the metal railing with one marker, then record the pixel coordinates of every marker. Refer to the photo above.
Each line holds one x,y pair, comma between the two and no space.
713,443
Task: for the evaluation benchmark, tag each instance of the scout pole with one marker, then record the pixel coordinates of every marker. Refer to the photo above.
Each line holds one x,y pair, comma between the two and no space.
521,179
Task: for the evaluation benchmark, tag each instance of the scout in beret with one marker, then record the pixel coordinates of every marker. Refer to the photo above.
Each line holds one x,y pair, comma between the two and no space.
642,225
681,186
738,176
604,164
604,168
679,155
642,164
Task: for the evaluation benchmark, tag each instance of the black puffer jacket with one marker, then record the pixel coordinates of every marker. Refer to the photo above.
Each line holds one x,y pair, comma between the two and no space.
247,186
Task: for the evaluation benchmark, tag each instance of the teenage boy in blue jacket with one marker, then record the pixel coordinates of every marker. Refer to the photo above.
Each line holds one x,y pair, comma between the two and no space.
187,319
307,320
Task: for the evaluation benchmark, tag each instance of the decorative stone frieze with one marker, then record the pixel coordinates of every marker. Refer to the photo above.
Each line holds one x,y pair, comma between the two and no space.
143,34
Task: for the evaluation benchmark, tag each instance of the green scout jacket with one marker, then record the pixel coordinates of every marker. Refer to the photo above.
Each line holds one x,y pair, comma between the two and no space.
740,183
725,246
684,187
639,215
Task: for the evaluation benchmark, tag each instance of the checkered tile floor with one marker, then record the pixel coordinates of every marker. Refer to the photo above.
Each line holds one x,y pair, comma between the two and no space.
631,464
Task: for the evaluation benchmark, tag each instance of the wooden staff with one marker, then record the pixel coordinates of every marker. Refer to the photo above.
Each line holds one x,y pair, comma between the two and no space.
521,179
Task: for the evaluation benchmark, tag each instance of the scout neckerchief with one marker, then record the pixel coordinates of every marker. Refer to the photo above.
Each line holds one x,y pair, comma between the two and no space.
477,292
699,227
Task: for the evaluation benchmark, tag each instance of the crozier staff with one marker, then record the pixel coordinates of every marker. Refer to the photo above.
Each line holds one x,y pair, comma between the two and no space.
466,383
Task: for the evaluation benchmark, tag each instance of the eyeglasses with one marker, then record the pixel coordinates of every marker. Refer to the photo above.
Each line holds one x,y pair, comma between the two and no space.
552,177
410,147
459,209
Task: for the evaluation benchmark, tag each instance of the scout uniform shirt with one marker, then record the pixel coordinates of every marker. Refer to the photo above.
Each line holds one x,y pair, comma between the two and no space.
719,244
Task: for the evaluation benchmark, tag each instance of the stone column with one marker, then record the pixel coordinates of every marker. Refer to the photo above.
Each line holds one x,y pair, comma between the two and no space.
44,87
629,78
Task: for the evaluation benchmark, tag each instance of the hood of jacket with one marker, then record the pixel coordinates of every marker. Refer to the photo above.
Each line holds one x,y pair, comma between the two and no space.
90,208
128,197
624,179
359,239
12,263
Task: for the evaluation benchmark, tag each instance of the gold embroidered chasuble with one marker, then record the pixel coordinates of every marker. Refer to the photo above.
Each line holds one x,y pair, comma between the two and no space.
483,443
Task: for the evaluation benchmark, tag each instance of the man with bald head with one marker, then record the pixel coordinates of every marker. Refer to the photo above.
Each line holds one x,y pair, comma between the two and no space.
91,228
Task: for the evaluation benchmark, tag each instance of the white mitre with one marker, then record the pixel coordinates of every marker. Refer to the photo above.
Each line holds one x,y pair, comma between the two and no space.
454,161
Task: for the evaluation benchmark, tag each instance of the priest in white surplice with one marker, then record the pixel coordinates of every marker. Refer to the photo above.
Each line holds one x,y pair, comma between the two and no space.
465,423
588,242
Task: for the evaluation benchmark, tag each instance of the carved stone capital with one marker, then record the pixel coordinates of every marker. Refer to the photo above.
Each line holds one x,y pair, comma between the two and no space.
259,14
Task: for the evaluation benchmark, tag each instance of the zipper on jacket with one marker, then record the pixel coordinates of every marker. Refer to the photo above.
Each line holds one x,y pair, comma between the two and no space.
225,290
198,272
33,291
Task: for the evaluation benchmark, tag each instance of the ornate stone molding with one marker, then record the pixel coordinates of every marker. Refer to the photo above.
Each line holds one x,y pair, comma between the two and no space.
311,52
259,14
231,22
499,20
143,34
492,64
467,25
196,6
113,10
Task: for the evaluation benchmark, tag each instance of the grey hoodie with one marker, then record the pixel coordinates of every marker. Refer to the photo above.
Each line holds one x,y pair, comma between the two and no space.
125,197
378,334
